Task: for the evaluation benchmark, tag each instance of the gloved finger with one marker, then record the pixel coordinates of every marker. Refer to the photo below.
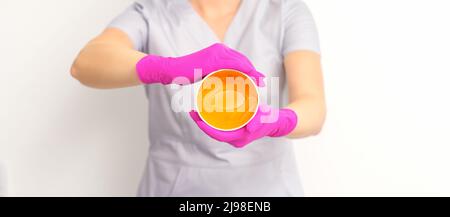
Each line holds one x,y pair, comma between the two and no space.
247,69
257,77
203,126
223,136
215,134
261,75
195,116
239,143
242,57
254,125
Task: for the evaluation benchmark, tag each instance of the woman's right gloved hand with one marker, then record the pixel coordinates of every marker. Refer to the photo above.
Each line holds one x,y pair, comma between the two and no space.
156,69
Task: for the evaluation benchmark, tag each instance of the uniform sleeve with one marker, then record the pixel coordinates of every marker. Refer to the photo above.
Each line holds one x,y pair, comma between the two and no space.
300,31
134,22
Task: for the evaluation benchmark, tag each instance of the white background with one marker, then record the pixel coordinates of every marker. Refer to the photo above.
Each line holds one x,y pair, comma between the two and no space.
386,65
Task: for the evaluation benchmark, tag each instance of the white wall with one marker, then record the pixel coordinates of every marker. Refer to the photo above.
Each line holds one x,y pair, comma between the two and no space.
387,74
58,137
386,71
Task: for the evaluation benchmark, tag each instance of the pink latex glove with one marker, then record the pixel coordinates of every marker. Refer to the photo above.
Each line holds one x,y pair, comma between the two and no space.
267,122
156,69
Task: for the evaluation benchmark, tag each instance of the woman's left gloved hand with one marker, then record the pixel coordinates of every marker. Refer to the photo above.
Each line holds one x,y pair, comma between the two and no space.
267,122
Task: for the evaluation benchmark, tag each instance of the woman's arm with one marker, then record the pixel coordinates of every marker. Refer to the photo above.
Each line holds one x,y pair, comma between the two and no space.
306,92
108,61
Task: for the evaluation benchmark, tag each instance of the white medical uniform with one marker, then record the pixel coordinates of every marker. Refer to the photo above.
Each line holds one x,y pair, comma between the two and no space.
183,160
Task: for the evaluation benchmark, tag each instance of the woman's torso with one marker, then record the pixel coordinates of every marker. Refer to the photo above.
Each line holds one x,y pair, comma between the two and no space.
182,159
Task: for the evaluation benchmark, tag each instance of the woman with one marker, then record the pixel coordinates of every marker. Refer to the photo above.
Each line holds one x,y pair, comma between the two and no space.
155,41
